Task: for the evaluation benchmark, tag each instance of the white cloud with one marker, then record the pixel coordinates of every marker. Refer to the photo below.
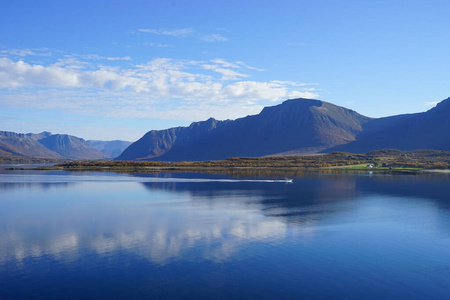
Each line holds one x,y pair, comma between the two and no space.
17,52
64,74
70,63
161,88
185,33
118,58
253,91
249,67
227,74
225,63
20,74
25,52
302,94
98,57
158,45
433,103
224,67
213,38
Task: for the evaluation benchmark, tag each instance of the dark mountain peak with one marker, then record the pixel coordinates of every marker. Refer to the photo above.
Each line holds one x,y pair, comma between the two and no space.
317,113
442,106
20,144
10,134
319,105
299,104
71,147
45,133
38,136
204,125
64,136
304,102
303,107
445,100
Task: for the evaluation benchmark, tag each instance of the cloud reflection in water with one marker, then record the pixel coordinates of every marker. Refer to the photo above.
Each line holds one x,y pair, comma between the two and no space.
160,226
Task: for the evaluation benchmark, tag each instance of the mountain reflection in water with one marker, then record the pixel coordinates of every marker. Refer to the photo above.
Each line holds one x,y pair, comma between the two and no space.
359,227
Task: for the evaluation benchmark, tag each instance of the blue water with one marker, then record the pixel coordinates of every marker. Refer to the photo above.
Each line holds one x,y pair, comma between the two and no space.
210,236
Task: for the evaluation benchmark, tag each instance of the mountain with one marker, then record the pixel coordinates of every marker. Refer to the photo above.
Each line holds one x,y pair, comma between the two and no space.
427,130
69,146
39,136
46,145
296,126
19,144
110,148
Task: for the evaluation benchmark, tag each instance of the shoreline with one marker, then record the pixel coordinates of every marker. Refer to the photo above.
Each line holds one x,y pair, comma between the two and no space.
246,169
380,161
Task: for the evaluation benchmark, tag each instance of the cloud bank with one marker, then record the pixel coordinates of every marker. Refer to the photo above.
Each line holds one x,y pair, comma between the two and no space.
160,88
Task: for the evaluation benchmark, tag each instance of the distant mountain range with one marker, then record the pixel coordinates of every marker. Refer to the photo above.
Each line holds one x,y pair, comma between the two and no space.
47,145
298,126
110,148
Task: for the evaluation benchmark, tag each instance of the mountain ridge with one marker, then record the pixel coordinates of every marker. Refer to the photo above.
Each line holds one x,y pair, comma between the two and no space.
71,147
301,124
47,145
424,130
20,144
294,127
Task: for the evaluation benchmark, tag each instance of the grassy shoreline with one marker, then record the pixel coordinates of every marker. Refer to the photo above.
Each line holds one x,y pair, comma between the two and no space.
384,161
249,170
380,161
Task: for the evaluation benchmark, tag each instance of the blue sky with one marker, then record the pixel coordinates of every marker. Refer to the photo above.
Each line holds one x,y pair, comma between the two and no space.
117,69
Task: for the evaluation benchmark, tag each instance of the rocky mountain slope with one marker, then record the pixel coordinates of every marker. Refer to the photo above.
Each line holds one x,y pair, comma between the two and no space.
69,146
427,130
47,145
295,126
19,144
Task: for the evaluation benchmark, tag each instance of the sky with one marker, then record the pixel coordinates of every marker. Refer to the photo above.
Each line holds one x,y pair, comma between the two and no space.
116,69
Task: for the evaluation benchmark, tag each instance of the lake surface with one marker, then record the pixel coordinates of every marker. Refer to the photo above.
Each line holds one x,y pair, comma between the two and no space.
210,236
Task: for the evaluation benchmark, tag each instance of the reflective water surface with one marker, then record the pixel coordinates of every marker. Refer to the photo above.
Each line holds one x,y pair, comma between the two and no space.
210,236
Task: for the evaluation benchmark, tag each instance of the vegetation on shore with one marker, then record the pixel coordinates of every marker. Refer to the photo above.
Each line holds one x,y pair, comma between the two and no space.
380,160
30,160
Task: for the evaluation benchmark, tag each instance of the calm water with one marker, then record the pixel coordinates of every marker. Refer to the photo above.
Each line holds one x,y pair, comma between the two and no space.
208,236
